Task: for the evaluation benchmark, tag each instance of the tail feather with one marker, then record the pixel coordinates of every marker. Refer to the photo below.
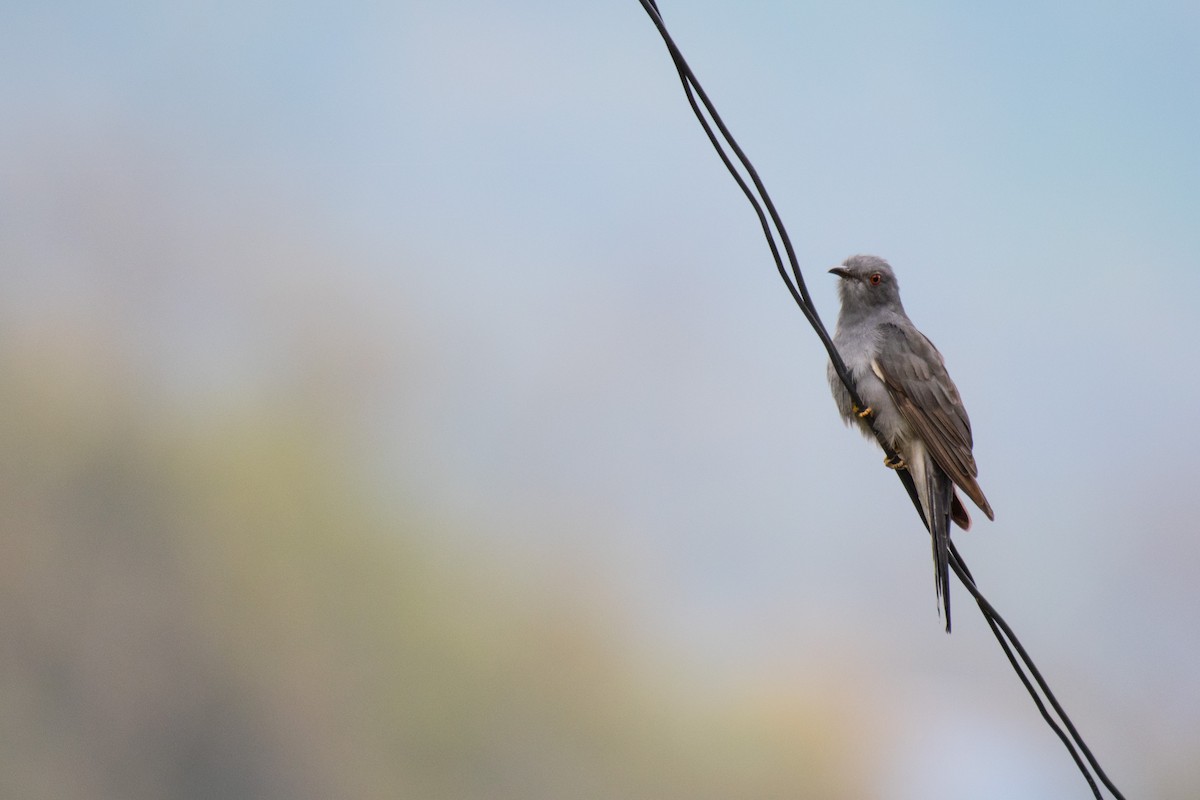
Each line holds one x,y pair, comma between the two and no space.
959,515
940,493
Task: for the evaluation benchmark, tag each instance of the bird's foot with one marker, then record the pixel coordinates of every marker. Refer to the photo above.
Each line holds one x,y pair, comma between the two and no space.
894,463
863,413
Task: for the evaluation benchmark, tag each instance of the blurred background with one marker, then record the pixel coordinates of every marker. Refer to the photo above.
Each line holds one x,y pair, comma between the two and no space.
398,400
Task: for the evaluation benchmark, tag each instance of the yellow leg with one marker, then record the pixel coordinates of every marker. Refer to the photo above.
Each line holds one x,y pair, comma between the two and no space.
895,463
863,413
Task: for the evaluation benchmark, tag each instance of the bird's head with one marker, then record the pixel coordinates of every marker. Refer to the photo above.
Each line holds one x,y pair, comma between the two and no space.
867,282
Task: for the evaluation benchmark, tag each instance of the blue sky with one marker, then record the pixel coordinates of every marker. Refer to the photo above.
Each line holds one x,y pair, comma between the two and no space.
601,335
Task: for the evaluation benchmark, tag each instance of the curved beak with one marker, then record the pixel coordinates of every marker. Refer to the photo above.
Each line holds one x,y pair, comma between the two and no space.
841,272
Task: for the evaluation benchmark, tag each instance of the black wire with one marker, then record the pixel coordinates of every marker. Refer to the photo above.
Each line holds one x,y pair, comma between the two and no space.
799,289
1020,659
998,624
993,620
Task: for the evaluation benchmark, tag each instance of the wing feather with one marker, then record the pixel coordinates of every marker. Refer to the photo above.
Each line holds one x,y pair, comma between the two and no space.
913,371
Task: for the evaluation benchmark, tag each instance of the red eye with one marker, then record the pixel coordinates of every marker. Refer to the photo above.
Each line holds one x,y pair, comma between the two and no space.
875,279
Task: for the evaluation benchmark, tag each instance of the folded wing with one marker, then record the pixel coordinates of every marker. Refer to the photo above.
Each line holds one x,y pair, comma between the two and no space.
915,375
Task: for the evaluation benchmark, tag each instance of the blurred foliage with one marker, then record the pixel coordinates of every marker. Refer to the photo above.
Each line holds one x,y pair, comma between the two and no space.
201,606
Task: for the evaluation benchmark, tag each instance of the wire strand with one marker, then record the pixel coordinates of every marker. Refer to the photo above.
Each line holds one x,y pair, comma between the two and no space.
772,226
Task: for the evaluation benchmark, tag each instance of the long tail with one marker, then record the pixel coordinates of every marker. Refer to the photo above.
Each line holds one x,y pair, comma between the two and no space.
940,494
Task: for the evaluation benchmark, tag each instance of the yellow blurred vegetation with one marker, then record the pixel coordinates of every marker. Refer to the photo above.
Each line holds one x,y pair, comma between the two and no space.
210,605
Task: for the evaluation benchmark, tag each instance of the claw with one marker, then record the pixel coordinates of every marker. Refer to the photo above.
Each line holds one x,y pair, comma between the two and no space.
863,413
895,463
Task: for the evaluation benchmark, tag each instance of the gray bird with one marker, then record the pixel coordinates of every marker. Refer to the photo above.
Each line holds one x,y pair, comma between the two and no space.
901,377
